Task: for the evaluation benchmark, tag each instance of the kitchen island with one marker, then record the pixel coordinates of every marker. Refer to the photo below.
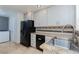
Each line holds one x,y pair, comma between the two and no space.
62,36
50,49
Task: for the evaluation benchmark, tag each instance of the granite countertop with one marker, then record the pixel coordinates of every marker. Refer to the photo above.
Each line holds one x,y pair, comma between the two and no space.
57,50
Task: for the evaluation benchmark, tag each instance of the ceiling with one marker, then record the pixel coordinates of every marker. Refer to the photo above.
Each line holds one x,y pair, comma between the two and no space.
23,8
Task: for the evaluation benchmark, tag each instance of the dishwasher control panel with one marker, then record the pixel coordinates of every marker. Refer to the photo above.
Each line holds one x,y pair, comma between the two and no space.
40,39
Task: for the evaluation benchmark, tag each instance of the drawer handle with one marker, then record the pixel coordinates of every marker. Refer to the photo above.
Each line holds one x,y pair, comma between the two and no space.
39,39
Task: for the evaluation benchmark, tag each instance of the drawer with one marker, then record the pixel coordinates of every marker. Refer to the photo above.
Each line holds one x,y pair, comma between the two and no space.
33,40
33,36
33,44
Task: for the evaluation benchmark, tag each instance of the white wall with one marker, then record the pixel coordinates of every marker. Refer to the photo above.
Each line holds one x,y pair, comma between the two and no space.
77,17
57,15
41,18
14,23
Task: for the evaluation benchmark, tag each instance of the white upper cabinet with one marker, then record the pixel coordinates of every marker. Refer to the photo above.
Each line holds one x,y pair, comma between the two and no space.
52,16
43,18
55,15
40,18
61,15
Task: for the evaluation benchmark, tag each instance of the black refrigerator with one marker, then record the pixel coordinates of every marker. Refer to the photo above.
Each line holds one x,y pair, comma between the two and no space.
27,27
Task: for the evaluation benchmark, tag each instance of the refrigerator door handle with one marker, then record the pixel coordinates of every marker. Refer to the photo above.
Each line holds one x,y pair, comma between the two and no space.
39,39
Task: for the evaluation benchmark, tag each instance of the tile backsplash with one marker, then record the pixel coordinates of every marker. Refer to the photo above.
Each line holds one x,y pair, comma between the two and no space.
55,29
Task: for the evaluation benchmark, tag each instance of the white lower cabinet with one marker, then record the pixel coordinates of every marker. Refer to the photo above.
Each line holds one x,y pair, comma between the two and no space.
33,40
4,36
47,38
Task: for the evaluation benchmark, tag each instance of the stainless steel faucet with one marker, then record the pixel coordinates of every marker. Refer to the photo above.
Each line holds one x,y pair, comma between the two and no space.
73,37
72,31
68,25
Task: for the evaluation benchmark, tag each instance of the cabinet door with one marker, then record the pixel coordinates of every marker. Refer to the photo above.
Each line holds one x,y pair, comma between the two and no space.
4,36
51,17
61,15
62,43
33,40
43,17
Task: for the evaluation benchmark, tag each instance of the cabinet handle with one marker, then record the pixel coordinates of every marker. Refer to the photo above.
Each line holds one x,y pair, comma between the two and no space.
39,39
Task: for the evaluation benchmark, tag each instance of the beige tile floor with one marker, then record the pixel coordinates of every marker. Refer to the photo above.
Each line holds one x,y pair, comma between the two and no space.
14,48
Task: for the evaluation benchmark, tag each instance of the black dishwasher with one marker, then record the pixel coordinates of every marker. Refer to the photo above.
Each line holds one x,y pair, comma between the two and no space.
40,39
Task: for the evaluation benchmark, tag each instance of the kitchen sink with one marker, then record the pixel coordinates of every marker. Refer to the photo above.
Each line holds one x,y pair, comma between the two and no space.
67,45
60,42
